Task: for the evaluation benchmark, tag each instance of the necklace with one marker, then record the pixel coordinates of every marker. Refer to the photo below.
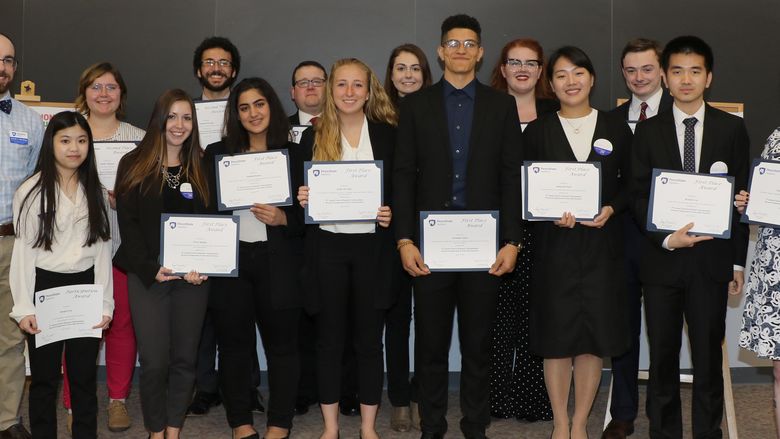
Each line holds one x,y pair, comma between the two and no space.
575,129
172,179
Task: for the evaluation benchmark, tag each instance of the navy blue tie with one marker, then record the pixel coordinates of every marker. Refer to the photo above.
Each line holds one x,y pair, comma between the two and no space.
689,146
5,106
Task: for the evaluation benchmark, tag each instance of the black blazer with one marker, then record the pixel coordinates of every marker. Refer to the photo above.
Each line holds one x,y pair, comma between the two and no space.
383,138
139,213
284,242
665,105
423,168
294,119
655,145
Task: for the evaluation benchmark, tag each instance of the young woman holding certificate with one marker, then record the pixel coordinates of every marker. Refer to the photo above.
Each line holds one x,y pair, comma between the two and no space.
164,174
577,301
62,238
266,291
350,267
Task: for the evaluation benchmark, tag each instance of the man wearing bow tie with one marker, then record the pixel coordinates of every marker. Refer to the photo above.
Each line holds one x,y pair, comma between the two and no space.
21,132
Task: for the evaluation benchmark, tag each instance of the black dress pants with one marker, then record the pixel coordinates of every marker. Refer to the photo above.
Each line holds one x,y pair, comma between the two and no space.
397,320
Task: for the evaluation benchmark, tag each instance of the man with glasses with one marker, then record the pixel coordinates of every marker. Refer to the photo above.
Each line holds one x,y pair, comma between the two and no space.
459,148
21,133
216,64
641,67
307,91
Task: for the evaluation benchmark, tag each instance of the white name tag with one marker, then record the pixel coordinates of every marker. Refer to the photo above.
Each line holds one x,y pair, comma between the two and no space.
18,137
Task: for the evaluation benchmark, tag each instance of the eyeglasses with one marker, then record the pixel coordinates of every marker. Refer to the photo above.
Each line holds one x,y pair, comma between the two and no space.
213,62
110,88
518,64
455,44
305,83
405,68
9,61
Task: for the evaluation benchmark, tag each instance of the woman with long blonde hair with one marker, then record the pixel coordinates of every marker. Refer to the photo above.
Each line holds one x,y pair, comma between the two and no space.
350,268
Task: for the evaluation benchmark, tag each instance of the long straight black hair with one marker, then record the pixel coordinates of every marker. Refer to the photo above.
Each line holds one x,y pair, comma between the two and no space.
237,138
48,183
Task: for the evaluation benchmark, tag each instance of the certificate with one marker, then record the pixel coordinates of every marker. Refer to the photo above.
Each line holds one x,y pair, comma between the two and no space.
296,132
459,240
68,312
255,177
211,120
107,156
678,198
552,188
207,244
764,188
348,191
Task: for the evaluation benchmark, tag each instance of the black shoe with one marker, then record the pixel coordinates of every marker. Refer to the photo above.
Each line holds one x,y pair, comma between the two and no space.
432,436
257,402
202,402
349,407
16,431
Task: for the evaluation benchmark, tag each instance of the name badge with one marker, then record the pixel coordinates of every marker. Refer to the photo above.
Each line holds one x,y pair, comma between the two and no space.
186,190
603,147
18,137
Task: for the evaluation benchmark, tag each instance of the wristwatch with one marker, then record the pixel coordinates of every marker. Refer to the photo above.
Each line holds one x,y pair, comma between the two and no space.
514,243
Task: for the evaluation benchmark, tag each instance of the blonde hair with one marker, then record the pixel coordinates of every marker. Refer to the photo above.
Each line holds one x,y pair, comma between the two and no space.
378,108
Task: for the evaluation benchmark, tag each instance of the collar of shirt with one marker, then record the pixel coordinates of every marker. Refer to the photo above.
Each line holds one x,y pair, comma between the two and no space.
680,116
653,103
6,95
470,89
305,118
698,130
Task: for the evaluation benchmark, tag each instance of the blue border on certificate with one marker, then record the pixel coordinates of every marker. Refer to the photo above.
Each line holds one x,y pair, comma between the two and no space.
222,207
424,217
379,164
527,214
653,228
745,218
166,216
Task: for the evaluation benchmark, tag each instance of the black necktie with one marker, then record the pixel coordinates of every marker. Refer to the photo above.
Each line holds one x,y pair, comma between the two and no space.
689,146
5,106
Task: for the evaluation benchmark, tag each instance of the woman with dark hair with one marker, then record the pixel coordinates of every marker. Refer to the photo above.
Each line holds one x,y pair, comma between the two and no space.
62,238
102,99
266,291
164,174
407,71
578,310
516,376
350,268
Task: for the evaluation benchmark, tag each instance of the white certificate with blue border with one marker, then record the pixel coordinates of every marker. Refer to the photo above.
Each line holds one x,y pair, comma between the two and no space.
678,198
107,156
764,189
211,120
255,177
207,244
552,188
345,191
68,312
459,240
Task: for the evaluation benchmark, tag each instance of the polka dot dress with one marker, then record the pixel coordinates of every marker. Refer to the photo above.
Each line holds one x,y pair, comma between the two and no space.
517,387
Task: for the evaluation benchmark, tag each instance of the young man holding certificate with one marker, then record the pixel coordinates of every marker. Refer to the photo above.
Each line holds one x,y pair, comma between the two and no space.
685,274
441,166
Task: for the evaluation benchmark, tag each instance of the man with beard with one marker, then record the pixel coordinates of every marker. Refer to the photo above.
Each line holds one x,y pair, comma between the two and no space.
216,63
21,132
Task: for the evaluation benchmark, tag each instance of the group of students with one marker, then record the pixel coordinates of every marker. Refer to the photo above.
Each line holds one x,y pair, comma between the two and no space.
557,300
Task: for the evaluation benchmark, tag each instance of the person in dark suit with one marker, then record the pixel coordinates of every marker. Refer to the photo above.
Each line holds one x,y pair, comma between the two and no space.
577,304
685,275
459,148
350,267
307,91
266,292
641,67
164,174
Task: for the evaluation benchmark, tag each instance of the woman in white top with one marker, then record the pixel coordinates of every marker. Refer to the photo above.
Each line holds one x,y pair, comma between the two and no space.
63,238
350,268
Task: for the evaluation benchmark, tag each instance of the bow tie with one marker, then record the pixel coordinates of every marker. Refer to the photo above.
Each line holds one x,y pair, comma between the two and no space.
5,106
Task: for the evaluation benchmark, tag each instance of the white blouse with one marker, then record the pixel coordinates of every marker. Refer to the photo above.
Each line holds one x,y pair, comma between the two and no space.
68,253
579,132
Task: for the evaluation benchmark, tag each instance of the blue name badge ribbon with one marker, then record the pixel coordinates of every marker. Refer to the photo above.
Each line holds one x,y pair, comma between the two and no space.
18,137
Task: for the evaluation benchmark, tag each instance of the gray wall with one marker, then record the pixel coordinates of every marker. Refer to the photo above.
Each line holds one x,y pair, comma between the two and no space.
152,41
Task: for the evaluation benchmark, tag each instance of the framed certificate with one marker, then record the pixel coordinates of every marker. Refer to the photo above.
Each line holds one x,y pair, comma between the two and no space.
678,198
296,132
345,191
207,244
107,156
211,120
254,177
459,240
68,312
764,188
552,188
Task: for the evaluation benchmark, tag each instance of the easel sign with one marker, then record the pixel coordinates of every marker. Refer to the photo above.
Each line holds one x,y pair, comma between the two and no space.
46,110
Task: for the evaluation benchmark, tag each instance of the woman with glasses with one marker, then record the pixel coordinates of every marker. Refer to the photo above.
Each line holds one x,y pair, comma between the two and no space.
578,309
516,376
350,268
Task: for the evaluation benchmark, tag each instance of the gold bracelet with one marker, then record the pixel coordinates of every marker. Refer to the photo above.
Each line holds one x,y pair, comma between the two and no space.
403,242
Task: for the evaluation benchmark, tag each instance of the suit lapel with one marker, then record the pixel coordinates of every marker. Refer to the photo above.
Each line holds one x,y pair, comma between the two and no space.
669,139
560,148
708,139
599,133
377,142
439,118
481,110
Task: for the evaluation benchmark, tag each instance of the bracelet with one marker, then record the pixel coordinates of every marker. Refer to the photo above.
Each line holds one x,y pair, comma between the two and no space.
403,242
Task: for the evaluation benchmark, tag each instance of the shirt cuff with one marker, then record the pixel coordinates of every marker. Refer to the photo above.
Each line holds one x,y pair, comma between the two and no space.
738,268
665,244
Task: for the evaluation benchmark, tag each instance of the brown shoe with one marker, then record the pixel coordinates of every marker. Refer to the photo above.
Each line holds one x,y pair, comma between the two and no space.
401,419
415,415
617,429
118,418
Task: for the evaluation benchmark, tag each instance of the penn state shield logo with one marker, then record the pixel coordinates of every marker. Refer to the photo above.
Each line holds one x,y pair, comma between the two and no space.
41,299
316,172
431,222
664,180
172,224
761,170
226,163
536,169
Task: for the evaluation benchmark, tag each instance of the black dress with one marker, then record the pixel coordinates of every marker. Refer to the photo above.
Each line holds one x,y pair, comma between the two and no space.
517,387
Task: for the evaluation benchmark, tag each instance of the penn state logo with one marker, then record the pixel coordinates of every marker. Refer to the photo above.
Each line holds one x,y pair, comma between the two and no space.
41,299
761,170
536,169
316,172
664,180
226,163
431,222
172,224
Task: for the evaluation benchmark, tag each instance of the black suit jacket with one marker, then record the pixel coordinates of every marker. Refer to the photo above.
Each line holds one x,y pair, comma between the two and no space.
383,139
665,105
284,242
294,119
423,163
655,145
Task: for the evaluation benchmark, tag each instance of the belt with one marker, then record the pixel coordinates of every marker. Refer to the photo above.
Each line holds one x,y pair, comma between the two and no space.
7,229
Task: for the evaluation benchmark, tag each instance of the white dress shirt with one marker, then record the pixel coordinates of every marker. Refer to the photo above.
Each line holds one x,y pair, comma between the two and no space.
653,104
580,141
698,131
305,118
